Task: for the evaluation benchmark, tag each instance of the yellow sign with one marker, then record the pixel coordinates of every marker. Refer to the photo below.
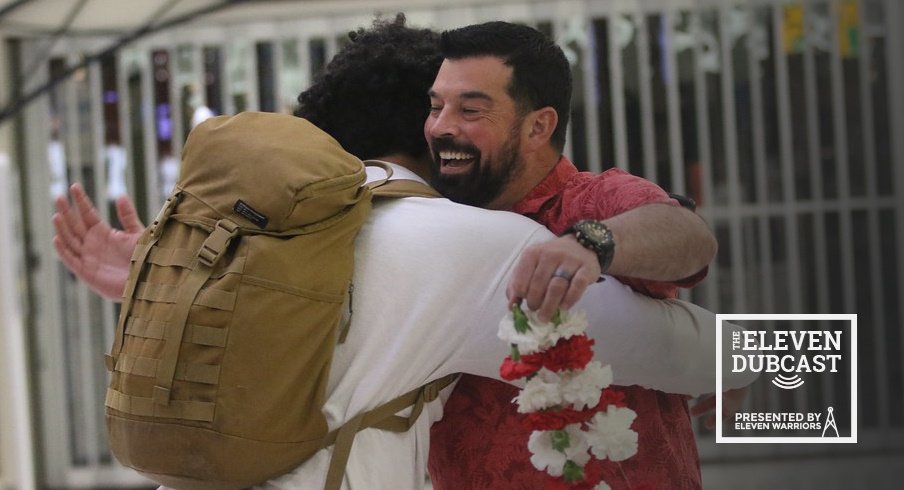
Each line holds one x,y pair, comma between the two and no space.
848,29
795,32
793,29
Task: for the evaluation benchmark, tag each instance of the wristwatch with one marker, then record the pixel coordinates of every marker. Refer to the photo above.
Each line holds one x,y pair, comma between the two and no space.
595,236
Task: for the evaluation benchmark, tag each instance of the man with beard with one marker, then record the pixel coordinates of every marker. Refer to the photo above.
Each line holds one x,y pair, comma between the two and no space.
497,125
350,100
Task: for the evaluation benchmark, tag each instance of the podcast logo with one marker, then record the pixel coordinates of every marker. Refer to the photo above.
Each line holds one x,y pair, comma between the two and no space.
770,352
805,368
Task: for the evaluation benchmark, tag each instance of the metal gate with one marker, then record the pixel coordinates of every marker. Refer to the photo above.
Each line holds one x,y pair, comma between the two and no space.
783,120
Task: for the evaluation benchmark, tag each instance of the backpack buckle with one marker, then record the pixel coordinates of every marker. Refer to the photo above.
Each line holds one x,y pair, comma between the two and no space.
171,202
212,248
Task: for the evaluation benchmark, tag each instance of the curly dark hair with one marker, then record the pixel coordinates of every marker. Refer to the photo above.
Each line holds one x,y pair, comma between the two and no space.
372,96
541,75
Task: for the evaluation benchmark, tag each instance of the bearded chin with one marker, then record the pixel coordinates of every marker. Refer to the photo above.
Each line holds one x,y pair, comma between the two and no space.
472,188
480,186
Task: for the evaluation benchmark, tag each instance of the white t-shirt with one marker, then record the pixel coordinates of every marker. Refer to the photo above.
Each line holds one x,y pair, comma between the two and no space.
430,279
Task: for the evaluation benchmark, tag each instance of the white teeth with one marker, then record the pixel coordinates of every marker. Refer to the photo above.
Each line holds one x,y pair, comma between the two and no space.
455,155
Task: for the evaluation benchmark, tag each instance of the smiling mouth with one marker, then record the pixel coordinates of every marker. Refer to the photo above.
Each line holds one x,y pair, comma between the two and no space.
455,162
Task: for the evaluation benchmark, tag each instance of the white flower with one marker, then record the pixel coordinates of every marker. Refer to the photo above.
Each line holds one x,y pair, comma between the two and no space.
541,335
573,323
610,434
541,392
578,449
545,457
529,342
582,387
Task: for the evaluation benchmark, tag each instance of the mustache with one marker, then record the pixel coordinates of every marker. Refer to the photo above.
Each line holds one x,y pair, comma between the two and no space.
449,144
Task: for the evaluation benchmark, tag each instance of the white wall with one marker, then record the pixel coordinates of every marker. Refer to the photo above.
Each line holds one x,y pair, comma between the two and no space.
16,463
16,457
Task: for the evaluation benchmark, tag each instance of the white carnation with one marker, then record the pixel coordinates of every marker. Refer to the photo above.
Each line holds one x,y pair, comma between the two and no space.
541,335
545,457
610,434
578,449
541,392
526,342
573,323
602,486
582,388
535,339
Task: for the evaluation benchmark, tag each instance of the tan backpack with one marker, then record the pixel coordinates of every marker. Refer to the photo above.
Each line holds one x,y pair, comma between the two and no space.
233,307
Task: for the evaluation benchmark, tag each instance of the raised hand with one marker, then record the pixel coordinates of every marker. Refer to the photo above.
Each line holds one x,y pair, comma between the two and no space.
553,275
96,253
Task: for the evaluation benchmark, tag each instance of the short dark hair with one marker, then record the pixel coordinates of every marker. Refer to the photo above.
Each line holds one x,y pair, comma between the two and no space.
372,96
541,75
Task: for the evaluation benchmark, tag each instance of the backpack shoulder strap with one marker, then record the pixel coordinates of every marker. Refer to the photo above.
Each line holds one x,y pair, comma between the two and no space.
383,417
386,187
404,188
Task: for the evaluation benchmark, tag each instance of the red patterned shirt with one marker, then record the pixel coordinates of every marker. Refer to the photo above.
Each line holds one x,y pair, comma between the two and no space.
480,443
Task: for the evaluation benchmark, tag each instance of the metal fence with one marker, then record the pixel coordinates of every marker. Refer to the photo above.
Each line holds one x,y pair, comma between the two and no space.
783,120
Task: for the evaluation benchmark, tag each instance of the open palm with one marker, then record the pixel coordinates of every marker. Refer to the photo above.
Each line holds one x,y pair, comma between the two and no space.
96,253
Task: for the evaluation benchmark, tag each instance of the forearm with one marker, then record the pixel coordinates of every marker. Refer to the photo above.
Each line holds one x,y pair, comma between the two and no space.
660,242
667,345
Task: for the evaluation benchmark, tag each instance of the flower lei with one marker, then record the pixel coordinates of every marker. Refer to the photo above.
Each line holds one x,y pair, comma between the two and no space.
576,420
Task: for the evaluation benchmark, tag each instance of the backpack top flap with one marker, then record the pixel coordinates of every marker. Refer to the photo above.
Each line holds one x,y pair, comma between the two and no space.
266,171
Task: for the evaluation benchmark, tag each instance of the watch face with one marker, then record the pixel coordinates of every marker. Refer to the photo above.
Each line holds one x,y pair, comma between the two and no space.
596,232
598,238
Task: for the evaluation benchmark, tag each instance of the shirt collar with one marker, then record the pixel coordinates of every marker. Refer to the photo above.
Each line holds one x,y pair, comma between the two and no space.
547,189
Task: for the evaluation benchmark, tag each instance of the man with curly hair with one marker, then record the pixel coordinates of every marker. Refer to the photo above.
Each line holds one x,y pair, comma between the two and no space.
372,96
372,99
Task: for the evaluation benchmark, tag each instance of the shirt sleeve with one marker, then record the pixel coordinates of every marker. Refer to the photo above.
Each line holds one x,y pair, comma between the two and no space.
667,345
612,193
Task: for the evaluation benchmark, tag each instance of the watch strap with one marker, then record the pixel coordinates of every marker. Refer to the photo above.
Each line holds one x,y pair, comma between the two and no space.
596,237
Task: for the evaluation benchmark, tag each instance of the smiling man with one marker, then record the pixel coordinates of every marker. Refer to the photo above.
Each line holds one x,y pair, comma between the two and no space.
498,143
497,127
483,121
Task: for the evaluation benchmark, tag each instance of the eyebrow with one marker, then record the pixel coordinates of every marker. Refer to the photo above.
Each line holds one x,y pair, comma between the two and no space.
476,94
473,94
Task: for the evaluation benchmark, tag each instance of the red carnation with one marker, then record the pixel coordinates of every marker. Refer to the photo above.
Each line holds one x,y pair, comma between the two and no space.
571,353
511,370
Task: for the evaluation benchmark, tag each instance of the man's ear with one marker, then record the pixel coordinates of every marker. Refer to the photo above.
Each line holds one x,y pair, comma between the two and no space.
542,123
